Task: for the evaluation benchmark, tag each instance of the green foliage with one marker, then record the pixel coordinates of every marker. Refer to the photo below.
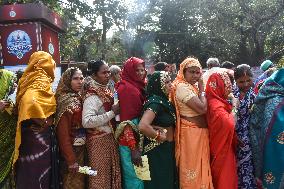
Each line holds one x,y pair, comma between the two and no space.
241,31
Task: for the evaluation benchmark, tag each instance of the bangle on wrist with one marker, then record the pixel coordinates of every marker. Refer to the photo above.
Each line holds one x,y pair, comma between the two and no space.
157,135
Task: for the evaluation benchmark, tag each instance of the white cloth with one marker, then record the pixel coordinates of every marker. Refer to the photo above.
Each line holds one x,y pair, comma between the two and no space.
95,116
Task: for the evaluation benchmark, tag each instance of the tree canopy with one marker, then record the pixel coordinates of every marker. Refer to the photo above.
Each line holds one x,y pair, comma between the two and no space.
241,31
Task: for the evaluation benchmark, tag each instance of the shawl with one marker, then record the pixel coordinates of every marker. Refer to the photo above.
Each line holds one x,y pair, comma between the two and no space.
266,131
91,87
7,126
188,62
67,99
35,98
7,80
131,90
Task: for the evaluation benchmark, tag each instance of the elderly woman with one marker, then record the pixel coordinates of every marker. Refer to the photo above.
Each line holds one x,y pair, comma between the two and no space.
213,65
70,132
8,123
97,118
35,132
157,124
221,118
191,133
131,97
115,72
267,132
244,92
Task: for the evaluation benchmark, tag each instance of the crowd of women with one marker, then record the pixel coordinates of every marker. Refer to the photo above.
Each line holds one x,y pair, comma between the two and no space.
191,133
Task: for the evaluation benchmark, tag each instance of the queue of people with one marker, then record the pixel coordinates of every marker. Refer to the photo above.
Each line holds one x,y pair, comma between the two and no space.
141,132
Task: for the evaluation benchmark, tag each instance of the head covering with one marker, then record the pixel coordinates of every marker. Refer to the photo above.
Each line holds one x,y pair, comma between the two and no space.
131,90
265,65
157,84
67,99
187,63
35,98
156,90
218,86
129,72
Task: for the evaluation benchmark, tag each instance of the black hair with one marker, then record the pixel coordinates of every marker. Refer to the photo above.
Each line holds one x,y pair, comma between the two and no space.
228,65
19,74
160,66
94,66
242,70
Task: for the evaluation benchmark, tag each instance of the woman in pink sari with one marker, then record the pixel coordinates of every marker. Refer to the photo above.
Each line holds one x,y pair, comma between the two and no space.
221,116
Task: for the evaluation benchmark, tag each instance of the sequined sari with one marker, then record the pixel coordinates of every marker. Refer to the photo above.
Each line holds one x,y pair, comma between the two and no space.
267,132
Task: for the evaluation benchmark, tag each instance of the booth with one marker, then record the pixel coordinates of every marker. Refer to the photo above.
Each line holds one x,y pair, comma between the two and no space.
27,28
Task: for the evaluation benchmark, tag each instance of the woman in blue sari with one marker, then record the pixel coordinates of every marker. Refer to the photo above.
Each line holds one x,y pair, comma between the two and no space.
267,132
244,93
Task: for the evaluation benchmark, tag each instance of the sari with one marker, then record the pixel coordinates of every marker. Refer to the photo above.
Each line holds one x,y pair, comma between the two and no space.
131,99
70,132
222,134
191,142
102,147
8,125
267,132
244,155
161,156
36,144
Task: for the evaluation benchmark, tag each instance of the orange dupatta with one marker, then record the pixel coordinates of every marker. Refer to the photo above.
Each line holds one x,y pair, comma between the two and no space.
188,62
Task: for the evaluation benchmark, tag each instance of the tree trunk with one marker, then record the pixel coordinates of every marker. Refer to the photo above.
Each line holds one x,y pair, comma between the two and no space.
258,53
104,20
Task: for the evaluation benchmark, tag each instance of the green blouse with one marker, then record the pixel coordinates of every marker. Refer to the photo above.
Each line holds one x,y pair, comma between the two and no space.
163,118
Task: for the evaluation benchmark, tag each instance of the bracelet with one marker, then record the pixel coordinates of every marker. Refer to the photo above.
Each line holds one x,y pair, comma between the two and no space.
157,135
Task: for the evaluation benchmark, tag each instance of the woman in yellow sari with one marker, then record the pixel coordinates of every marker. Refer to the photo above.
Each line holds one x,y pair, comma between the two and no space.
35,137
191,133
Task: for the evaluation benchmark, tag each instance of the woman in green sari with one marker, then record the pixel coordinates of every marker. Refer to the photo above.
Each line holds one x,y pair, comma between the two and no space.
8,124
157,125
267,132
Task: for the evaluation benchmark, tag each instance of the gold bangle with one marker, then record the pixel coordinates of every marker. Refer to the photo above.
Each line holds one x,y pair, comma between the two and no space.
157,135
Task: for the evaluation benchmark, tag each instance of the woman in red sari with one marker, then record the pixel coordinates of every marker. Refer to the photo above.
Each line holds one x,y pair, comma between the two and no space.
221,116
131,97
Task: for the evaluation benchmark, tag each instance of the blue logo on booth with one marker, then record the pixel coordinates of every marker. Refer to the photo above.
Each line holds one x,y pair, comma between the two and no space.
19,43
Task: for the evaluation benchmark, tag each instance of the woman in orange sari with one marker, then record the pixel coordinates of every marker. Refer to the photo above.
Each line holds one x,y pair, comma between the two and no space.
221,118
191,134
